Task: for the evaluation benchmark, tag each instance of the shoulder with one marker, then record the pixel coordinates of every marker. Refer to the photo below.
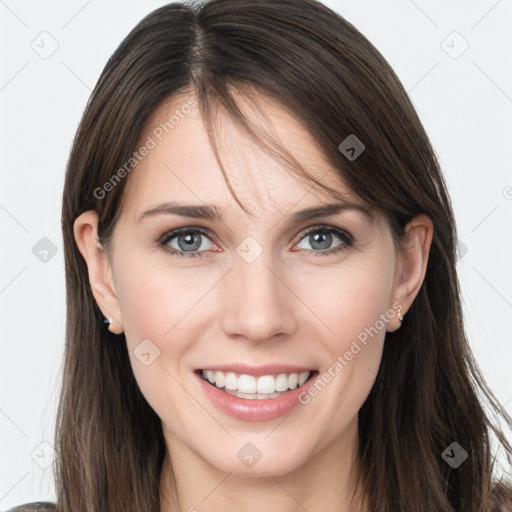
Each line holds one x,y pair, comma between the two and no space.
40,506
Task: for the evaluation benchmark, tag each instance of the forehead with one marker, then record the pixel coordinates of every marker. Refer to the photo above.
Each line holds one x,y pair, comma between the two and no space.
179,163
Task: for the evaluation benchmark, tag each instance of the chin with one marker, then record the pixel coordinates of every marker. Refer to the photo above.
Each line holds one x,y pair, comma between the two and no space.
253,456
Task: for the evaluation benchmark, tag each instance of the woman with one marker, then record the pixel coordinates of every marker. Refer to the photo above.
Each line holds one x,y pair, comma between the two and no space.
263,306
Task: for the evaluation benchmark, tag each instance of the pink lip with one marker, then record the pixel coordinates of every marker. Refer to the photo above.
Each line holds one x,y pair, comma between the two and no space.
254,410
257,371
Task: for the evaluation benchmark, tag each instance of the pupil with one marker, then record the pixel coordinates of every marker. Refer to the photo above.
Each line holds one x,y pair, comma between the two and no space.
190,243
323,239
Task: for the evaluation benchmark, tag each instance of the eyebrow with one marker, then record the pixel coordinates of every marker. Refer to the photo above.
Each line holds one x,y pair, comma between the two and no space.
211,212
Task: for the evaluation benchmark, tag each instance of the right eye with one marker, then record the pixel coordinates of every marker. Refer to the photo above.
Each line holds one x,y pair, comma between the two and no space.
186,242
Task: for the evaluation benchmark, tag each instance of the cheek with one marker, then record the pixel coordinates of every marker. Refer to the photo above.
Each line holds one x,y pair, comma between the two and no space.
352,303
157,297
157,304
350,299
162,304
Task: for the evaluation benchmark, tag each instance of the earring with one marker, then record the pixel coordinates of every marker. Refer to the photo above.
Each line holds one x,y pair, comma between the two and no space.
400,318
109,323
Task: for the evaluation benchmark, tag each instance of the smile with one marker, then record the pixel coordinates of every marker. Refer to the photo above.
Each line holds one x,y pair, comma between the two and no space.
255,393
252,387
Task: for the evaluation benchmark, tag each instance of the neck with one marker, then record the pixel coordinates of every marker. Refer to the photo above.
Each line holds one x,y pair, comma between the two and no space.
190,483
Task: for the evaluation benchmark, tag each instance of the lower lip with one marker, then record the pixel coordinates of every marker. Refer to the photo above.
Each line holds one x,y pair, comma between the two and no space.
254,410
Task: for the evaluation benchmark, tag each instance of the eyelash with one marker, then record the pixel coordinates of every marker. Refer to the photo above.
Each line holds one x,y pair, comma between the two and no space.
347,240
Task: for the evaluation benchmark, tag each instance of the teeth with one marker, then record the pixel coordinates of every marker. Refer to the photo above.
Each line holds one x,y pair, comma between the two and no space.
266,385
246,384
251,387
303,377
219,379
253,396
230,381
282,382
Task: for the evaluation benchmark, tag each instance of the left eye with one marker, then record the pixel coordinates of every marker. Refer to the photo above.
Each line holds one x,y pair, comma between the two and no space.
321,238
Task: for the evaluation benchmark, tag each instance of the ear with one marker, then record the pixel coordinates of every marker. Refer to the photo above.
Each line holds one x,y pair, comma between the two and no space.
100,273
412,262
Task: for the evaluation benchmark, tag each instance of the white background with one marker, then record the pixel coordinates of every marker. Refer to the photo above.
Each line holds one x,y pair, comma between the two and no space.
465,104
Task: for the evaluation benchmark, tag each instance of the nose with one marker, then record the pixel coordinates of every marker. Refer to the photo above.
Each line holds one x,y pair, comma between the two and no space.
257,304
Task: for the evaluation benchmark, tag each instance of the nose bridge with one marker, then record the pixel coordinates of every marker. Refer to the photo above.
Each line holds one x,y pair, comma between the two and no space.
258,305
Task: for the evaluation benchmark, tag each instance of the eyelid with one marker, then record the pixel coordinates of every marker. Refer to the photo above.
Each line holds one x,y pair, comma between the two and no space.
209,232
327,227
176,231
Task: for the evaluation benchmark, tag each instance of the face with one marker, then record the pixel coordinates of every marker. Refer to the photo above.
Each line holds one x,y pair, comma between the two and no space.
255,302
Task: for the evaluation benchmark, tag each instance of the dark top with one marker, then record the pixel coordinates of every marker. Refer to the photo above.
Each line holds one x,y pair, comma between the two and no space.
499,503
40,506
46,506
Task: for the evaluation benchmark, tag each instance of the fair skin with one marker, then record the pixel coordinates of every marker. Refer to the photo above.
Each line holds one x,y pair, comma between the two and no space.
288,306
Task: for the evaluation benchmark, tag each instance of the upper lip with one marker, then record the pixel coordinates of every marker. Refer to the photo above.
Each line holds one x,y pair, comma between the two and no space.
257,371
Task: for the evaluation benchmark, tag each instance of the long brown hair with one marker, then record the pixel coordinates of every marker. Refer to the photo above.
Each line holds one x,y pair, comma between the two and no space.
428,392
